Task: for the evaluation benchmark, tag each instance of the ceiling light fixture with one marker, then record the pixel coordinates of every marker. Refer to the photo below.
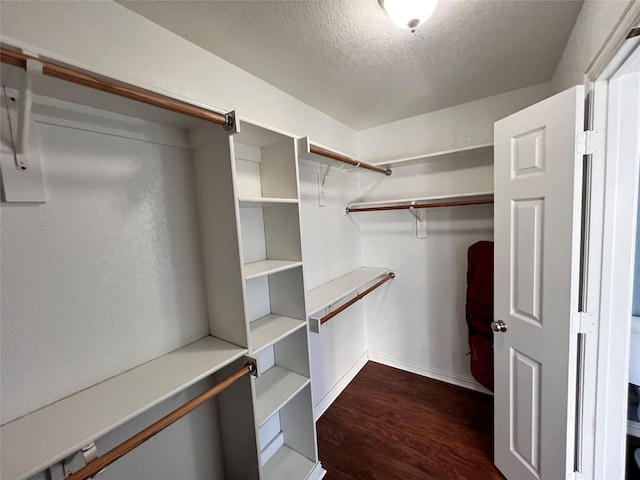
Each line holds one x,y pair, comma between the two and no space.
408,13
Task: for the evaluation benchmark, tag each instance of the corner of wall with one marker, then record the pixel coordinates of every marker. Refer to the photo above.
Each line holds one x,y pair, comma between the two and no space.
594,25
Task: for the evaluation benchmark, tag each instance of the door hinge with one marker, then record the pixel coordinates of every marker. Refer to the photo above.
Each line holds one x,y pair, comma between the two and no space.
583,322
589,142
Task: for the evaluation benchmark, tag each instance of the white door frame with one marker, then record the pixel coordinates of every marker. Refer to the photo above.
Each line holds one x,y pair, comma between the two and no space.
609,250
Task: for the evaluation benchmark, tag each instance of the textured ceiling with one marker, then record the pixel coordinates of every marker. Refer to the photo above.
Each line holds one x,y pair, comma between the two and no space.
346,58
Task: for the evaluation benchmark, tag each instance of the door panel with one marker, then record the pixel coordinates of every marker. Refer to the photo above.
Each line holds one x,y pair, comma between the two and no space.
537,244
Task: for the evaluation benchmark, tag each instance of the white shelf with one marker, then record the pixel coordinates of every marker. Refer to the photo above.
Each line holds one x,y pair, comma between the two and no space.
288,464
274,388
433,198
486,149
46,436
304,153
330,292
265,202
268,330
267,267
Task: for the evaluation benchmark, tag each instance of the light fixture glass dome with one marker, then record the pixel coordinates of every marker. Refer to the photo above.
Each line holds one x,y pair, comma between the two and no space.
409,13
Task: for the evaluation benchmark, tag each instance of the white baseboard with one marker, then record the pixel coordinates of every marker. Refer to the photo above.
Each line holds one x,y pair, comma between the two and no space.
434,373
337,389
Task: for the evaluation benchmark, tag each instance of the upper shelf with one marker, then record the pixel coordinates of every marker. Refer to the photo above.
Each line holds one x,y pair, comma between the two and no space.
40,439
456,154
319,154
330,292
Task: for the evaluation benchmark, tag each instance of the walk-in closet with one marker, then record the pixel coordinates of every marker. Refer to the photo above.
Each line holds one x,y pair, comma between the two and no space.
235,236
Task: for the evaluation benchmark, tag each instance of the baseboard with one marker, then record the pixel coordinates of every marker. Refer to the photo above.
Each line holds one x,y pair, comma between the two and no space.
337,389
434,373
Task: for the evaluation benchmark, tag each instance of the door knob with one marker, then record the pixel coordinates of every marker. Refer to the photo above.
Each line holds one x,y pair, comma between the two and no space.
499,326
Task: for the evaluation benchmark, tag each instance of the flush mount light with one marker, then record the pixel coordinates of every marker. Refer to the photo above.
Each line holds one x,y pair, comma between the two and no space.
408,13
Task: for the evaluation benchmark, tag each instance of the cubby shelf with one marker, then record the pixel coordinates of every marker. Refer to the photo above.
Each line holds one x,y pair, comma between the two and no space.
269,329
287,463
265,202
268,267
332,291
35,441
274,388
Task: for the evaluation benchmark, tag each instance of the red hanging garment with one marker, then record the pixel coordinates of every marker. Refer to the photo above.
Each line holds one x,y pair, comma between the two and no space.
479,311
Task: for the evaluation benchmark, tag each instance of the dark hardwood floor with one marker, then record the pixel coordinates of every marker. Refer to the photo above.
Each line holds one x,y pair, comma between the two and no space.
390,424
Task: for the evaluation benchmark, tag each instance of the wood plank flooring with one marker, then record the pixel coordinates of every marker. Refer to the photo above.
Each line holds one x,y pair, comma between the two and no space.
391,424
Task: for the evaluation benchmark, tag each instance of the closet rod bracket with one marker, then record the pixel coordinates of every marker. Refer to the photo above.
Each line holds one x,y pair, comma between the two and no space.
81,458
32,74
252,362
231,123
421,221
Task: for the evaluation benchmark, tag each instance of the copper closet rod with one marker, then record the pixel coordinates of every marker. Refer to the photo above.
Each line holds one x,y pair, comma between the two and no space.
53,69
347,160
359,296
97,465
419,205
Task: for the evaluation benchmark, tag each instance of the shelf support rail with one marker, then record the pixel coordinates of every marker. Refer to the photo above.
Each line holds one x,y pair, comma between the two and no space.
350,161
359,296
74,75
414,206
98,464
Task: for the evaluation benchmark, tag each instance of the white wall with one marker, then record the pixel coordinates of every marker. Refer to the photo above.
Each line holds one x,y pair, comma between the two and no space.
595,23
331,245
106,38
456,127
108,268
418,322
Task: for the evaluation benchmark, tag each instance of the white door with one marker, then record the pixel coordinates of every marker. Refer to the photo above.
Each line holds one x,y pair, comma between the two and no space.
538,195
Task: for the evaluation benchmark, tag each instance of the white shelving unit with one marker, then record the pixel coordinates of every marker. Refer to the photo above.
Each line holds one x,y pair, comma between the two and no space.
266,183
335,290
46,436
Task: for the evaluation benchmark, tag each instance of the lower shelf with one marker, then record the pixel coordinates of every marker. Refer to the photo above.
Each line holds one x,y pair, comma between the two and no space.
274,388
36,441
288,464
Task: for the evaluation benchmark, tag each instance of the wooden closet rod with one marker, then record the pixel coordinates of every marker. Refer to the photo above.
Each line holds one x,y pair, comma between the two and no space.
347,160
53,69
420,205
359,296
97,465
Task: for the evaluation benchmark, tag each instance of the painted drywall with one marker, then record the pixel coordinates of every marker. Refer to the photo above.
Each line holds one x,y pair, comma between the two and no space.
108,268
593,26
418,322
331,246
456,127
106,38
